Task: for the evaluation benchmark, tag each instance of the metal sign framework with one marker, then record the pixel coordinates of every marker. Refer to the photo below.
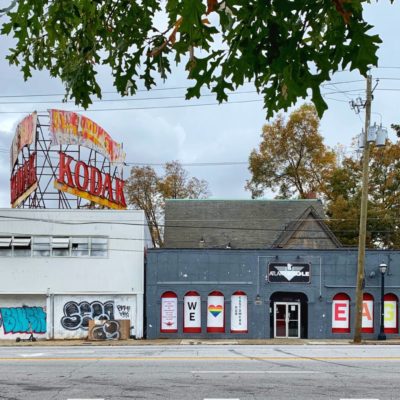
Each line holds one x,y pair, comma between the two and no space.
47,170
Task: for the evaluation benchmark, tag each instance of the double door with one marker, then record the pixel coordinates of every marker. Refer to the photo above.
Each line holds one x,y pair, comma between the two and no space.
287,320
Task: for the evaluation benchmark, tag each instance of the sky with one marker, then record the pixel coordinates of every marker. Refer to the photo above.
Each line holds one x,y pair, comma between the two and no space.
213,142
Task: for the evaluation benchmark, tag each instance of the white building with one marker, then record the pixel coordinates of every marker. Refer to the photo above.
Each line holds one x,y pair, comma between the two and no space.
61,268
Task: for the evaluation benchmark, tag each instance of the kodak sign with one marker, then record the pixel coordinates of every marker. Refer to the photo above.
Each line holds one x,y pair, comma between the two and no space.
23,181
88,182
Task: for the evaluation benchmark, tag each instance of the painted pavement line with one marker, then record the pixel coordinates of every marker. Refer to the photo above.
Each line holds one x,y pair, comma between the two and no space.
201,358
359,399
32,355
257,372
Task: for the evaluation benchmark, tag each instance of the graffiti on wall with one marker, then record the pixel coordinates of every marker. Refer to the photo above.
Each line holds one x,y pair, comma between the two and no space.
23,319
77,315
124,311
109,330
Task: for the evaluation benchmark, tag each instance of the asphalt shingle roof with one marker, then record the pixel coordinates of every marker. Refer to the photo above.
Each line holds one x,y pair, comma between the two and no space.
243,224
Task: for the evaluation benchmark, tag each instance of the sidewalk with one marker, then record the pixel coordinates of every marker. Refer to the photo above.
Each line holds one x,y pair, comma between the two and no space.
188,342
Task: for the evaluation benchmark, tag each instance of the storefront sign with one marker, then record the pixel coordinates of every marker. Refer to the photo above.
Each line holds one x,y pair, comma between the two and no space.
192,313
24,136
82,180
390,321
67,127
340,315
287,272
367,323
23,181
215,313
239,313
169,313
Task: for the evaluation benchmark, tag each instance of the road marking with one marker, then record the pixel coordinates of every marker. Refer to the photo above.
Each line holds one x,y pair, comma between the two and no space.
259,372
243,358
85,399
32,355
359,399
219,399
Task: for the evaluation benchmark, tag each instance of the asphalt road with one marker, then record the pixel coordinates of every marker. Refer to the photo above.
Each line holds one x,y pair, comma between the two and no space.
309,372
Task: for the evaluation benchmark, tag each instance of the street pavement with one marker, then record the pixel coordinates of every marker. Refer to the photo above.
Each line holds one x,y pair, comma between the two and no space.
219,371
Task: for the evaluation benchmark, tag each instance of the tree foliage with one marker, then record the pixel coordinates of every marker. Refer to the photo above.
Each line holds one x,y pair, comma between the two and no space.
292,157
147,191
344,193
286,48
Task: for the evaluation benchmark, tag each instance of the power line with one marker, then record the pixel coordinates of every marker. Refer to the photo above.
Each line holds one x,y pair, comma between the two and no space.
145,90
125,99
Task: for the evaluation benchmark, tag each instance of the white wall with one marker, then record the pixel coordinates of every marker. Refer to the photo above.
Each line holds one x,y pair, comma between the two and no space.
121,272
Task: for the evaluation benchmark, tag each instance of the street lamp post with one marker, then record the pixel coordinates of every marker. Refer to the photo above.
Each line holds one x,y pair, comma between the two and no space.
382,269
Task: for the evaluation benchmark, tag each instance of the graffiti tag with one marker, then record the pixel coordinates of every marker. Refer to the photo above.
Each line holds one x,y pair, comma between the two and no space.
108,330
123,311
77,315
23,319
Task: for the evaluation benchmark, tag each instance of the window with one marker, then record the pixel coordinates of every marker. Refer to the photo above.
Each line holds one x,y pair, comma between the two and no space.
99,247
5,247
21,246
79,246
55,246
60,246
41,246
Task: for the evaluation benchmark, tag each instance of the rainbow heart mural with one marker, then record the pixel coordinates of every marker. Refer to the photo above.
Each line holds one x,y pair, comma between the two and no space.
215,310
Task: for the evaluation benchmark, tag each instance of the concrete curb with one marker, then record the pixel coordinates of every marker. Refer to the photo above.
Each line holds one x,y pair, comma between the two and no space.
190,342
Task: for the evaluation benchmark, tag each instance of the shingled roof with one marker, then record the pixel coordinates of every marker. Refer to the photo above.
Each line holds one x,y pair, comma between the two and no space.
246,224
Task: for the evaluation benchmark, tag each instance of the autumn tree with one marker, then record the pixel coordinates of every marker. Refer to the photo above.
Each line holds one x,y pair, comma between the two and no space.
147,191
292,158
285,48
344,193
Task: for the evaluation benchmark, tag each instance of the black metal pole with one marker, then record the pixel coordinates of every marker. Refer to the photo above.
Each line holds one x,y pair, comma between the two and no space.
382,335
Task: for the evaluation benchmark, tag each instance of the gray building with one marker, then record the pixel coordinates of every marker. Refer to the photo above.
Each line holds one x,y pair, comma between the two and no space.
212,282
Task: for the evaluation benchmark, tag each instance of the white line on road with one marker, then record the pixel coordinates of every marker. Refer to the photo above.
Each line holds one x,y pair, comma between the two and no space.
262,372
359,399
32,355
220,399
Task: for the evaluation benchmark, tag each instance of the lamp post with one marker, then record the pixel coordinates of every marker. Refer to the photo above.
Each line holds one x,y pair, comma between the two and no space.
382,269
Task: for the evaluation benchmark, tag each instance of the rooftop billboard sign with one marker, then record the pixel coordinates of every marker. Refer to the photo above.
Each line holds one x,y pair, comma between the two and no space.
68,127
61,159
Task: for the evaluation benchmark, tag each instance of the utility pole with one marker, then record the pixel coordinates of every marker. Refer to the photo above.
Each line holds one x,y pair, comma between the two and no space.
363,218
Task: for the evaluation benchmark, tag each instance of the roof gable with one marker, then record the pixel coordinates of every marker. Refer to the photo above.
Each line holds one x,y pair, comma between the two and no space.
308,231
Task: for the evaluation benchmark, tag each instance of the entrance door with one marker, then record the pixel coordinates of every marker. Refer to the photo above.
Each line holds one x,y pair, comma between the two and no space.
287,320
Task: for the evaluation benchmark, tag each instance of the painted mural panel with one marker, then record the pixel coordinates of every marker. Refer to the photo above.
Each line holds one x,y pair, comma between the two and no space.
192,313
169,313
215,312
73,313
341,313
21,316
239,312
